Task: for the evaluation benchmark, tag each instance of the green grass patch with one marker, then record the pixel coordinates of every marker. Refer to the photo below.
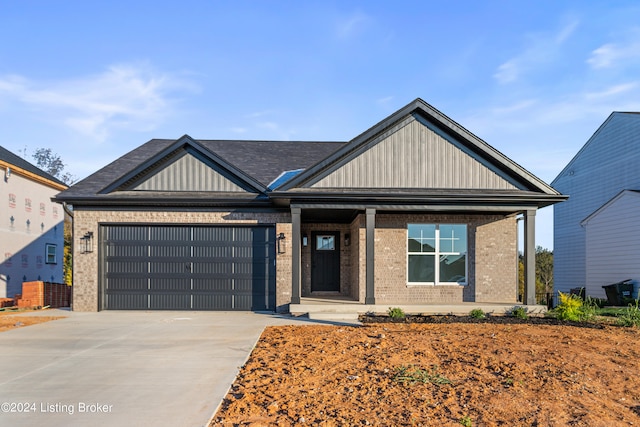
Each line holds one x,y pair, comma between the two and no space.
630,316
412,374
396,313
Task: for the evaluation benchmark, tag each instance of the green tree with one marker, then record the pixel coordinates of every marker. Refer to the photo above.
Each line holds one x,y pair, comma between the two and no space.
52,163
67,268
544,271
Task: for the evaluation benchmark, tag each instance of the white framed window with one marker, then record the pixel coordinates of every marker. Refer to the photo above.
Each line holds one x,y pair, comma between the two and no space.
437,254
50,253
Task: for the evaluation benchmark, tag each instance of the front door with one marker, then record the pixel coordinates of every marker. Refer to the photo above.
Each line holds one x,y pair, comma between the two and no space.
325,261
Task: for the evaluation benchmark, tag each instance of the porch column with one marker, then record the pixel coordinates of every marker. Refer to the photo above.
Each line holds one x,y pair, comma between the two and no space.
370,297
296,263
530,257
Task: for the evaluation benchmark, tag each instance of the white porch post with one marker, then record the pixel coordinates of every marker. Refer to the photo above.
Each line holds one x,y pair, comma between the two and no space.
296,263
370,256
530,257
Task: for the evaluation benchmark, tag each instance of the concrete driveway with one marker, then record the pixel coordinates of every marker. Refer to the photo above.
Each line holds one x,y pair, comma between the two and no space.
124,368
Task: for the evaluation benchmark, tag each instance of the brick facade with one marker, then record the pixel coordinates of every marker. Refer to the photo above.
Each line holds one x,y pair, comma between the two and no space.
491,264
491,270
85,265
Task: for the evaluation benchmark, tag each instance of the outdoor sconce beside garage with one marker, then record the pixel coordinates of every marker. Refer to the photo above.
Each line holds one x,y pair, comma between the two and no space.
87,242
280,239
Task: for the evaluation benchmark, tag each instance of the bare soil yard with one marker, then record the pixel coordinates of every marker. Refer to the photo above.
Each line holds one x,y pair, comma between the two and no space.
10,320
451,372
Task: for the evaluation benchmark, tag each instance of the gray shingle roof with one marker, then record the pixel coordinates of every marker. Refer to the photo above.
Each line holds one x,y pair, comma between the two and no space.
17,161
262,160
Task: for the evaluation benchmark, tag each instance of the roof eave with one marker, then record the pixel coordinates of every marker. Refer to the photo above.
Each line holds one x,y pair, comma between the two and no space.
426,198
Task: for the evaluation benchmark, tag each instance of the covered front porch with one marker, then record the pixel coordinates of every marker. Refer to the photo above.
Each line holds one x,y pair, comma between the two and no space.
369,272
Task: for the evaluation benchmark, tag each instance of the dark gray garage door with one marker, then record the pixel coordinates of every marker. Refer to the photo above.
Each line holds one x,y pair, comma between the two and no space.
149,267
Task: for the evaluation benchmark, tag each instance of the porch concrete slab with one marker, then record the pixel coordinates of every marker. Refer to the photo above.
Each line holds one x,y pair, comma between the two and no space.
122,368
326,307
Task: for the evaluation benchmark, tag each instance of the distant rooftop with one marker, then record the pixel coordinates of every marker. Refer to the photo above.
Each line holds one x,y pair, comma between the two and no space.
17,161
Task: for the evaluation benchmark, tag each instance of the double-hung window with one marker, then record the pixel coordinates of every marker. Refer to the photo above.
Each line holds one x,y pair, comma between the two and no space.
437,254
50,253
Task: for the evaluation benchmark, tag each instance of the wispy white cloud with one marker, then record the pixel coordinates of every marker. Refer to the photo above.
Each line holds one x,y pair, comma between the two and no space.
351,25
611,91
544,134
541,49
269,125
258,114
509,71
611,55
124,96
384,101
265,129
515,108
530,117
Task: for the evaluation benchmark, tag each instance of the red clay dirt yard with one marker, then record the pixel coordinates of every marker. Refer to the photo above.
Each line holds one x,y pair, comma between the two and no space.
11,319
450,373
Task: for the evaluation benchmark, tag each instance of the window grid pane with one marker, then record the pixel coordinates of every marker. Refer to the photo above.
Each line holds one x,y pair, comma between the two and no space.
422,268
422,238
445,242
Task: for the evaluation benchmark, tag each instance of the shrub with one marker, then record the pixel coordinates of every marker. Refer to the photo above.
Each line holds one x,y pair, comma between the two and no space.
396,313
519,312
572,307
477,313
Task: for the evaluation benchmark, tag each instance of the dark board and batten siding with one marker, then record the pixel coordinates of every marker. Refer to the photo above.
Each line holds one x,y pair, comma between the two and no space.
414,156
175,267
190,173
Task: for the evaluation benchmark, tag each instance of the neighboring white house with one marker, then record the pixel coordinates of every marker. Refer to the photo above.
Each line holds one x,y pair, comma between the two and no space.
612,242
595,180
31,225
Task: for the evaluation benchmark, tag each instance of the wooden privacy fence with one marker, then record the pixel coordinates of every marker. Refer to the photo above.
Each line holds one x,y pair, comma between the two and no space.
42,294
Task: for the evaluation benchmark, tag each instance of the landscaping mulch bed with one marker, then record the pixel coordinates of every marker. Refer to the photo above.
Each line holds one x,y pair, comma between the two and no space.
492,319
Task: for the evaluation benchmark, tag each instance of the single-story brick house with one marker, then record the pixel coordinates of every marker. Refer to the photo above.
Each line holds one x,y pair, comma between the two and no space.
415,209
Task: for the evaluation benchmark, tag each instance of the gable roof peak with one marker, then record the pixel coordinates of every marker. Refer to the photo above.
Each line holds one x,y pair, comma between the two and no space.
591,140
178,145
444,124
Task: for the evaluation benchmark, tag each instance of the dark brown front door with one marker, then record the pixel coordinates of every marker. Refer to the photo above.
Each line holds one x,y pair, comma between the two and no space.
325,261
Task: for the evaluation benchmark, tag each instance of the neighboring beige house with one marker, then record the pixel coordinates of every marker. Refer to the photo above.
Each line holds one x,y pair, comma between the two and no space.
414,210
31,229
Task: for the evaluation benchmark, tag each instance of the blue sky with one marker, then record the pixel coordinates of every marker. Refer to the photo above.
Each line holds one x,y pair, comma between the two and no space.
93,80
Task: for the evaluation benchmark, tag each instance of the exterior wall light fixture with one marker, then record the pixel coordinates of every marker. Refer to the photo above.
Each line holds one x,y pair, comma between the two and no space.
87,242
280,238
